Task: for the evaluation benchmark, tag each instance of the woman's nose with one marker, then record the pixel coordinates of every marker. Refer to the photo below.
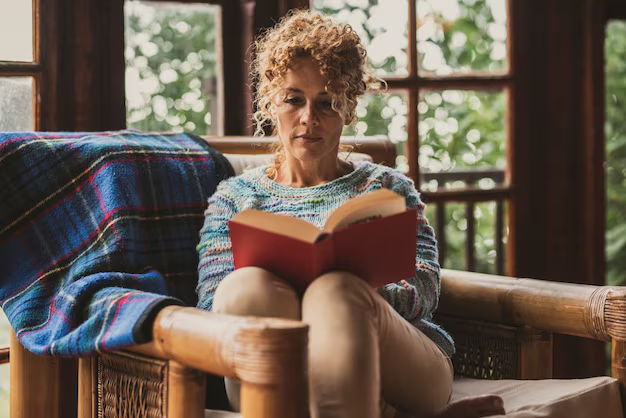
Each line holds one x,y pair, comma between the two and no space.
309,116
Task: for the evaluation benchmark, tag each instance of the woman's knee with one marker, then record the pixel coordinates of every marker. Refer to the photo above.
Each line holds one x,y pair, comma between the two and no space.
339,288
252,291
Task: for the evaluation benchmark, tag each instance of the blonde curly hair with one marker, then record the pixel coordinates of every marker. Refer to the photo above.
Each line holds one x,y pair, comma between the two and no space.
334,46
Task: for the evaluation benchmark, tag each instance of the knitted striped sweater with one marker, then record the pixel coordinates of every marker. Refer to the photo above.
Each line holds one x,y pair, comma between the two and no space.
415,299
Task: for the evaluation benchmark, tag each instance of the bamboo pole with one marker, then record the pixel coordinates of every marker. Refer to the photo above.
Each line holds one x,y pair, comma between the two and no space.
268,355
597,312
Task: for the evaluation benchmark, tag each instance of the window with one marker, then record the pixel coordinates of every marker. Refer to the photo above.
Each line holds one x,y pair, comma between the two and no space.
172,67
446,66
20,69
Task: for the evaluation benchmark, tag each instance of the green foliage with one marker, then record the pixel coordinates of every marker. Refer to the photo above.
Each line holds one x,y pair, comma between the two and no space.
171,66
615,48
470,38
461,129
382,27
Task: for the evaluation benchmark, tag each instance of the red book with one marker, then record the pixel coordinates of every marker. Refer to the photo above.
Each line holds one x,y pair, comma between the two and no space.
372,235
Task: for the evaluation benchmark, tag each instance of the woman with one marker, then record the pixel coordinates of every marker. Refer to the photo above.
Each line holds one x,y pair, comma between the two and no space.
372,351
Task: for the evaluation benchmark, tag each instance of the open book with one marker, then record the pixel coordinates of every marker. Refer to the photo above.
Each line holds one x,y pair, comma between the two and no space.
372,235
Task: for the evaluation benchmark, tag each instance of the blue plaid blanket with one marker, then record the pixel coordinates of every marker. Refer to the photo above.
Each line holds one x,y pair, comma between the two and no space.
98,232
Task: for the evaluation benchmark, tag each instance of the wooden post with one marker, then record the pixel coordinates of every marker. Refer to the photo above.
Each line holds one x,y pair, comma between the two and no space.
185,391
41,386
288,401
618,367
87,388
536,354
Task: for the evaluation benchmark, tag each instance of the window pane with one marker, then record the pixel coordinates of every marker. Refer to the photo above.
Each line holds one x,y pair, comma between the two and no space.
462,138
16,30
382,26
171,67
455,225
16,104
485,244
461,36
383,114
615,166
486,248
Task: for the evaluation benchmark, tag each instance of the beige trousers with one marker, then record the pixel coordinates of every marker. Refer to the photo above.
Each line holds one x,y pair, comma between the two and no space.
362,354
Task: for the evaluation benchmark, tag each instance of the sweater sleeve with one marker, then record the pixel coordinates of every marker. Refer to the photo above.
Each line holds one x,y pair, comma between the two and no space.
415,298
215,249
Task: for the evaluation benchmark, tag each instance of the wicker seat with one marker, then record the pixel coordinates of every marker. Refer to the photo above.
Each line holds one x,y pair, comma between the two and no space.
502,327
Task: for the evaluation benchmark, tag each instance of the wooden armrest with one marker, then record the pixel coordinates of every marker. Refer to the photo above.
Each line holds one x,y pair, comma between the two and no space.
380,148
589,311
261,351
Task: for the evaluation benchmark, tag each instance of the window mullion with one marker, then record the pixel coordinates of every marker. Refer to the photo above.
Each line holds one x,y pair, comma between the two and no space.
19,68
412,52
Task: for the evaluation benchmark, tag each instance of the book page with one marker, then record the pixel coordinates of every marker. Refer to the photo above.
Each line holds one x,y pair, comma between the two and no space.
278,224
374,205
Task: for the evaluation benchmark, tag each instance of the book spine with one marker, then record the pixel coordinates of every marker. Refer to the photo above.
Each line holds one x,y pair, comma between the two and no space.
323,256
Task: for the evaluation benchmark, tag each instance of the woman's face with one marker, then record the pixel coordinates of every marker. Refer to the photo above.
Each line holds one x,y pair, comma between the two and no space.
308,126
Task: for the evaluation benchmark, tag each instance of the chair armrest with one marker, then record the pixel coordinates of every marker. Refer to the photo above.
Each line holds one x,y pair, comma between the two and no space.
597,312
379,147
268,355
255,350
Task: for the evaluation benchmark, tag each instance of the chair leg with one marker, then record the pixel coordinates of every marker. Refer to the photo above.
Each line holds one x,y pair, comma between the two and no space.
41,386
185,392
618,367
270,401
536,354
87,399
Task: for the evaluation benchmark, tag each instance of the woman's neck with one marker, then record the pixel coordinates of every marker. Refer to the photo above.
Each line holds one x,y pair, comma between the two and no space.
302,174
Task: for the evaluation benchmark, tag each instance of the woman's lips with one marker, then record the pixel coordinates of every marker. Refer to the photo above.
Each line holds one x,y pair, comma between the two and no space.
307,138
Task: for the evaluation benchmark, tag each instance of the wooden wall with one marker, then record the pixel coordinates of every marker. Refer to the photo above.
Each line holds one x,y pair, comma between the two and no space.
83,60
557,152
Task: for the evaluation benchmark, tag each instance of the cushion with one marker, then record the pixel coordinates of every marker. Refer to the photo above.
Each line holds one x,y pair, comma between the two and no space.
242,162
549,398
554,398
209,413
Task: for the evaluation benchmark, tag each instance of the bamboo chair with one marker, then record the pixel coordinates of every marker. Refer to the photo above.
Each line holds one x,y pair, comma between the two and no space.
502,327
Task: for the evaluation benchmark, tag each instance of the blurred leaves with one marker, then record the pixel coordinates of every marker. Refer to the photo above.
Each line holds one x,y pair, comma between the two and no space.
170,66
381,25
615,131
456,36
461,129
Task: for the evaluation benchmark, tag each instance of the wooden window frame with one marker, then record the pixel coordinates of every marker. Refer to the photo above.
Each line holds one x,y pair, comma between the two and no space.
410,86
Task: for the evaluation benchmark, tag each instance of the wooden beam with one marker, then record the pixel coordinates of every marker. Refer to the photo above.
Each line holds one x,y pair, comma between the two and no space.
616,9
236,76
555,213
5,355
82,57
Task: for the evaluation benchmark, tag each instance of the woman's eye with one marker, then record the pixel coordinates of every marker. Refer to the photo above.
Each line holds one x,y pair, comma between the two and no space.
326,104
292,100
